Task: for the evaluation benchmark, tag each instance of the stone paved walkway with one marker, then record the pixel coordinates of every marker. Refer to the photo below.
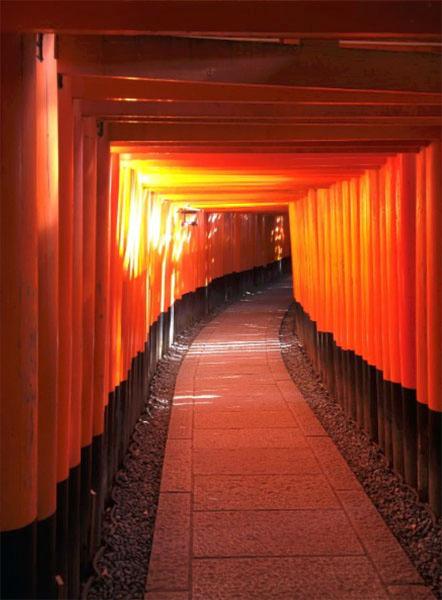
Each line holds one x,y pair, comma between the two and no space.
256,502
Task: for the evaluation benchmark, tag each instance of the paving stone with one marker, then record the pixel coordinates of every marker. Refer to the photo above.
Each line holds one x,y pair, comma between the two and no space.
246,367
180,424
187,372
210,418
255,461
235,383
169,561
277,367
274,533
166,596
307,421
252,492
177,467
248,438
269,400
255,391
280,376
186,382
410,592
390,560
300,578
289,391
240,361
184,390
334,466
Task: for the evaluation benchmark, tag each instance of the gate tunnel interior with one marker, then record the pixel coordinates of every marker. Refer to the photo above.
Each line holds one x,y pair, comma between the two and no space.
159,158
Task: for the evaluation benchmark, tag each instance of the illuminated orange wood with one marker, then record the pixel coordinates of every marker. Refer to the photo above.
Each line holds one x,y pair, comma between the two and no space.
47,214
421,280
279,133
307,148
77,293
375,284
19,284
114,340
433,215
102,286
66,229
145,89
385,298
89,281
406,255
116,110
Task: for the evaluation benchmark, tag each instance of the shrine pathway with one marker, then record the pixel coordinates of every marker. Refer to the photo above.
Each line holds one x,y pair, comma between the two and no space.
256,502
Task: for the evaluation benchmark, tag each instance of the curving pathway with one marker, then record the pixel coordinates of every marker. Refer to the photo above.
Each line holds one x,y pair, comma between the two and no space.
256,502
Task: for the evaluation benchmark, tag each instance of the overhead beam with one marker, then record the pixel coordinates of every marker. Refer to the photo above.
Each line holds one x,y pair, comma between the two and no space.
313,63
221,189
264,18
253,196
109,109
251,163
269,192
394,45
374,121
272,208
115,88
379,147
138,132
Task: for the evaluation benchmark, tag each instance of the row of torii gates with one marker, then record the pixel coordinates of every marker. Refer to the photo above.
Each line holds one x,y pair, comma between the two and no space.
159,156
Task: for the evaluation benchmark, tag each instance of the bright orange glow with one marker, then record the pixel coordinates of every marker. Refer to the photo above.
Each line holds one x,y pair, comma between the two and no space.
171,258
356,272
241,222
132,222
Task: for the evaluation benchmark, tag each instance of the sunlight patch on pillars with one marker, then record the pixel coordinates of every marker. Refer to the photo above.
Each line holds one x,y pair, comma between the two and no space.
132,222
277,236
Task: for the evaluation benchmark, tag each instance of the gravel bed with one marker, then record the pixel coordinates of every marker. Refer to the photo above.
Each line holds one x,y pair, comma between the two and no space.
412,522
120,565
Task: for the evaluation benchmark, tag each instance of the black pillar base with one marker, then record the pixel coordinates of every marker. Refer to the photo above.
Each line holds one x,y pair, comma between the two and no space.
408,432
19,563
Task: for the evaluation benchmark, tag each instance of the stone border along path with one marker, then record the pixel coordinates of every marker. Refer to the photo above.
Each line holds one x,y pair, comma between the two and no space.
256,502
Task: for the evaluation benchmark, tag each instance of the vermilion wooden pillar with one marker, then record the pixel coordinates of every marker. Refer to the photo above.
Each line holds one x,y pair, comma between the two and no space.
101,345
65,346
114,315
102,336
65,244
406,268
434,319
47,211
77,358
376,332
89,273
394,190
376,274
421,328
88,324
19,316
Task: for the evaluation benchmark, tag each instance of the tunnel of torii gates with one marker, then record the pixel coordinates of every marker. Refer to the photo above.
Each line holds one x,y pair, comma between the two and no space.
161,157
